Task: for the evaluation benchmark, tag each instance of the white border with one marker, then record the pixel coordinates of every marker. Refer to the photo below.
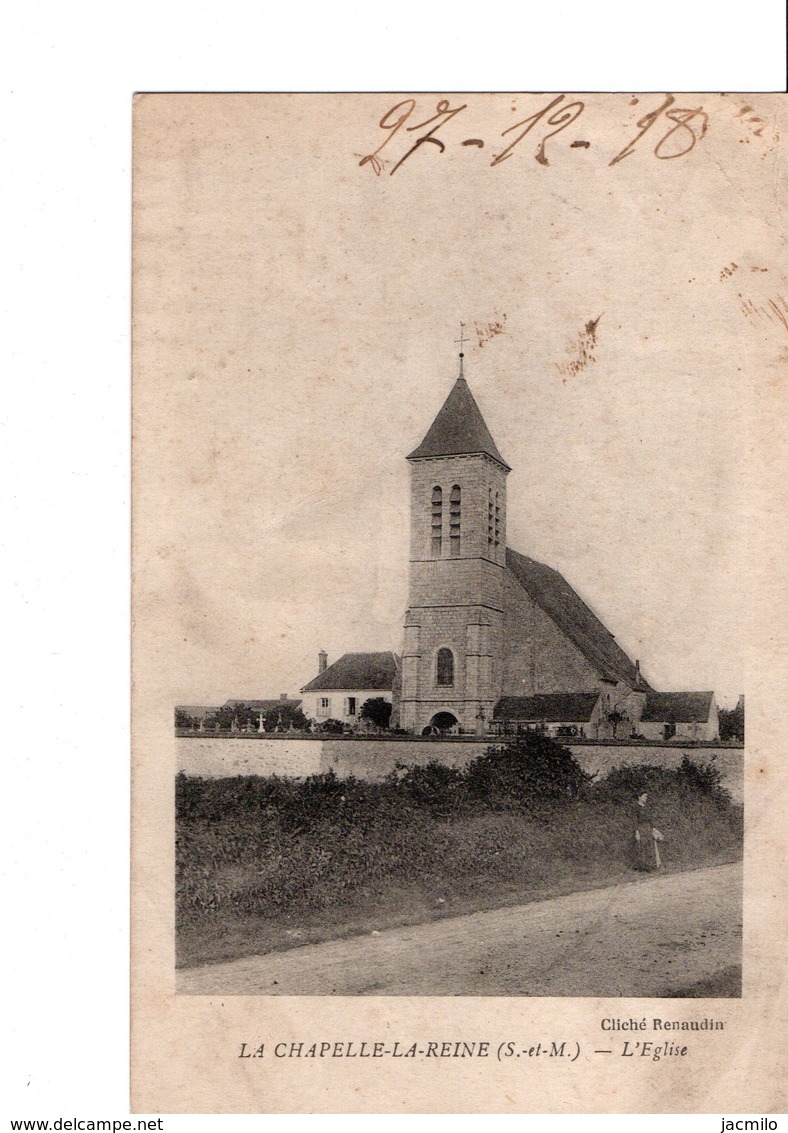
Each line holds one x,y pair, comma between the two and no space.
69,76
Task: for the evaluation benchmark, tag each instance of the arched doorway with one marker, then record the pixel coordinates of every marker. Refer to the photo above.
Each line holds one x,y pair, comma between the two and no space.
444,721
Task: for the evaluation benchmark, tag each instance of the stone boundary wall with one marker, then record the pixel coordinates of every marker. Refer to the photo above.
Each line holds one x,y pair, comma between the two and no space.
373,758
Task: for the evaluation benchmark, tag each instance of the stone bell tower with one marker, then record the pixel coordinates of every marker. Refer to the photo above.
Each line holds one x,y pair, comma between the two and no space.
451,660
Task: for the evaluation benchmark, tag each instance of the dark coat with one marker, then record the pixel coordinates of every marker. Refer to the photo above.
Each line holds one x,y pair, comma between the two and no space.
646,852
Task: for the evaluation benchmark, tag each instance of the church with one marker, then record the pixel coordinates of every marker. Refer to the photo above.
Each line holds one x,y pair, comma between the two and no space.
494,641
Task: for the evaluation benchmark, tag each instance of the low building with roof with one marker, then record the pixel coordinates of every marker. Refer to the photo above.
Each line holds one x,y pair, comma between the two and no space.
562,714
236,714
680,716
195,716
339,690
283,701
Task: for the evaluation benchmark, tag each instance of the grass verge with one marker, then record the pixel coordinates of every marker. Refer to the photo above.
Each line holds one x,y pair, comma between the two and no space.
265,864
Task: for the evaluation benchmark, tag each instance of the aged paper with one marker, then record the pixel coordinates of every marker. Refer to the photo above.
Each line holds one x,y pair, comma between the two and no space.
306,270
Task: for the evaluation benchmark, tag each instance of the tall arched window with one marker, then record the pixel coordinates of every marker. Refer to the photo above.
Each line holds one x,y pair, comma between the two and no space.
444,674
437,521
455,510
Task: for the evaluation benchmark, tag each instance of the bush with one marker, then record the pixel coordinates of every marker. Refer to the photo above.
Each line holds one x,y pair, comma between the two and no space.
332,726
625,783
531,768
326,846
437,788
705,778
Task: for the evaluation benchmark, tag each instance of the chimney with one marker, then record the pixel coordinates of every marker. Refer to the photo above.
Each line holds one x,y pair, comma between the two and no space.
322,661
637,673
283,696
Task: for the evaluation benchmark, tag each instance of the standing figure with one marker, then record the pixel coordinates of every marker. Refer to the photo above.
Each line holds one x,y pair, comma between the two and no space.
647,837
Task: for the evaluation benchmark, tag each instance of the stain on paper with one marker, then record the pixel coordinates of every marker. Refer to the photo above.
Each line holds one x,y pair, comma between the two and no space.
582,350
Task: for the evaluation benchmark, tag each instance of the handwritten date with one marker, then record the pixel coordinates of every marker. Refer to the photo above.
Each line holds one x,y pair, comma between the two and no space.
679,131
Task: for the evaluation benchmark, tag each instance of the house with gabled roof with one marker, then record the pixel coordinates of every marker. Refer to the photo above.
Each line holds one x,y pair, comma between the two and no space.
339,690
490,634
680,716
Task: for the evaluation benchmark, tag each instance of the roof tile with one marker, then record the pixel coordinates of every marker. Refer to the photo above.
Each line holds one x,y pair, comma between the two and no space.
557,707
263,705
459,429
553,594
677,707
374,671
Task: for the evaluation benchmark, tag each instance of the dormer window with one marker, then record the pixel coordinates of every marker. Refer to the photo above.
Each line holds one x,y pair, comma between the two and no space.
437,522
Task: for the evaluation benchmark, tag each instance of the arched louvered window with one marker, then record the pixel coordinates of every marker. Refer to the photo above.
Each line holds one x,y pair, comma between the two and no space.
455,521
493,519
437,522
444,671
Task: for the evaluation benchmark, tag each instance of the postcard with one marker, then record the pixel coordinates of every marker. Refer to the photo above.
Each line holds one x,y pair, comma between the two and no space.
458,514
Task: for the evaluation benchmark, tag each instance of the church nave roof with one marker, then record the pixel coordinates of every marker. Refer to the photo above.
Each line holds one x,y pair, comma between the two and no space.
553,594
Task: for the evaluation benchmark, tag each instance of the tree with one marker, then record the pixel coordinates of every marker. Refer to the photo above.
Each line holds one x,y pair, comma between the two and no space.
245,716
287,716
377,710
732,722
224,717
615,718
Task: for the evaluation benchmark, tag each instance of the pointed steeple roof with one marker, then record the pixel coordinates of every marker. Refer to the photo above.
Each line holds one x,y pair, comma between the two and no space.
459,429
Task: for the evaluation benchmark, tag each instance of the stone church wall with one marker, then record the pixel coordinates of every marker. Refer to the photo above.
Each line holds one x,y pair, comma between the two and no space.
475,476
455,582
455,602
373,759
449,626
537,656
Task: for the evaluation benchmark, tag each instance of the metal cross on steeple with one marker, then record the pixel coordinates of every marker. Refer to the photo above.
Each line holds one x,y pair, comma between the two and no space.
462,340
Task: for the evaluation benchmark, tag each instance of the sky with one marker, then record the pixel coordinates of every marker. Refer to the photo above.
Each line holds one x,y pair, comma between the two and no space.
296,326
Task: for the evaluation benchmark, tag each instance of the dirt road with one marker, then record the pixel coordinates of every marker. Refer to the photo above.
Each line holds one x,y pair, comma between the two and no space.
651,937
